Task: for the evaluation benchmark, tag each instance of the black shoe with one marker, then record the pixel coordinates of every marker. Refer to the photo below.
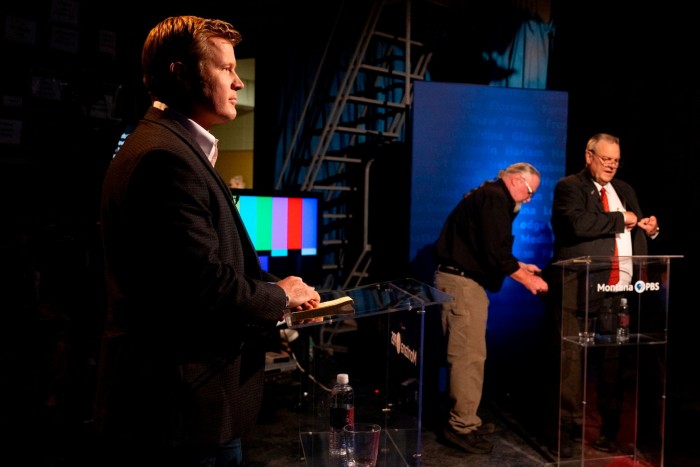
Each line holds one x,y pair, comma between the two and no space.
576,432
471,442
563,450
605,444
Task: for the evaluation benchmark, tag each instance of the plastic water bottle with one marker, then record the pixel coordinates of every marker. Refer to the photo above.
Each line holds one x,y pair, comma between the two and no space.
623,322
342,412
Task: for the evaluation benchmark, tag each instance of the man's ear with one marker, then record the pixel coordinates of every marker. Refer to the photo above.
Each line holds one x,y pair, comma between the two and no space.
180,72
513,180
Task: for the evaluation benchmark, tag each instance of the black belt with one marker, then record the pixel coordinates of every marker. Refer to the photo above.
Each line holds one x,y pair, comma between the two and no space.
451,270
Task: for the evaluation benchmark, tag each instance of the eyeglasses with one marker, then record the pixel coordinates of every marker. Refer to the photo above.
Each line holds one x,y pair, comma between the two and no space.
529,189
607,161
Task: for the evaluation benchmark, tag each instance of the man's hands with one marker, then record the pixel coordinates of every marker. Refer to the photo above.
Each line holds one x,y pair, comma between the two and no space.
301,296
528,276
650,225
630,219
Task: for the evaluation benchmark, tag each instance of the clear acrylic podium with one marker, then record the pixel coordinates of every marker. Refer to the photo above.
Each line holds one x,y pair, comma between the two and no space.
395,311
608,386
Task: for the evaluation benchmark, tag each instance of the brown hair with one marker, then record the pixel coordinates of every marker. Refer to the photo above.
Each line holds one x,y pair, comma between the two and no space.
179,39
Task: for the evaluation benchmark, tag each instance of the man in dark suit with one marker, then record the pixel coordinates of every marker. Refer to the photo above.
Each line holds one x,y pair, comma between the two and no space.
583,226
182,364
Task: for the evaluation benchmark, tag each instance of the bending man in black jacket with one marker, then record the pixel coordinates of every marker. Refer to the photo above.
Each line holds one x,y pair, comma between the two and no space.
474,253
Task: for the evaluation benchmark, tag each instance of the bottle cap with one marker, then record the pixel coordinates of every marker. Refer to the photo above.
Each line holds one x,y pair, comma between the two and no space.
342,378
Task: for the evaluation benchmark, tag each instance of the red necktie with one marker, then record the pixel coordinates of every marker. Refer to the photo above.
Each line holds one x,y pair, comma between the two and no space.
615,264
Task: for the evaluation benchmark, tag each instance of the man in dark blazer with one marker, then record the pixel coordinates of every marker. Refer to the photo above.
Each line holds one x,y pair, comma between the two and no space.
582,226
182,362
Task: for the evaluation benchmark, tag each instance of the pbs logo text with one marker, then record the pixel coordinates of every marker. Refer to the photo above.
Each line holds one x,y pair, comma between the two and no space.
641,286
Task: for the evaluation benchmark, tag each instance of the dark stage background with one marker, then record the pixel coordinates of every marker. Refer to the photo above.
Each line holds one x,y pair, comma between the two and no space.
627,69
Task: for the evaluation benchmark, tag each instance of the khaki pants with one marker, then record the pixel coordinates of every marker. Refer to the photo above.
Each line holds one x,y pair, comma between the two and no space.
464,325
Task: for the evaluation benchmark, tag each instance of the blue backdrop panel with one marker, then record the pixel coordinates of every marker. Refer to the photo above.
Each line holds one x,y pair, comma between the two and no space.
462,135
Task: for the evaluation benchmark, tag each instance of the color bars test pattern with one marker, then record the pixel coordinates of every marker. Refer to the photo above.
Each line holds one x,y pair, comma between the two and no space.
279,224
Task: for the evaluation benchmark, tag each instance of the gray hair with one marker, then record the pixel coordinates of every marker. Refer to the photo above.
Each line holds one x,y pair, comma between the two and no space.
593,141
519,168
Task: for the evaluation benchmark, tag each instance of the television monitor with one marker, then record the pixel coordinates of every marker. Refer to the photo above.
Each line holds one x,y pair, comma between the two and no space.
285,229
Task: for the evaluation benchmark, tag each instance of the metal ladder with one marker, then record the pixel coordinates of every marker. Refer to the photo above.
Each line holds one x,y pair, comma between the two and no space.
337,138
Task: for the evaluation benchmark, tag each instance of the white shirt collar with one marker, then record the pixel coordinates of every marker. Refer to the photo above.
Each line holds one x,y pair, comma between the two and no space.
205,140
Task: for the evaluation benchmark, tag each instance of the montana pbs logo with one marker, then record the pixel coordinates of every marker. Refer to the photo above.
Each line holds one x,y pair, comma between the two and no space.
641,286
